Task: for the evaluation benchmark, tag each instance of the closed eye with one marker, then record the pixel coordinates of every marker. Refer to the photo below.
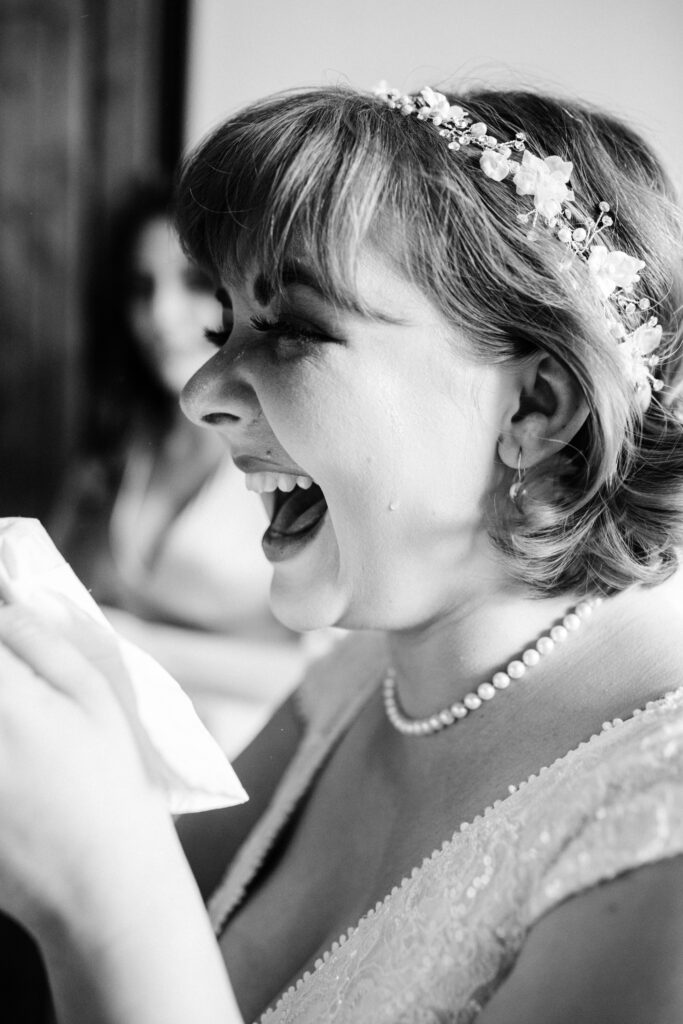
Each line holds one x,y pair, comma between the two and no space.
281,329
286,329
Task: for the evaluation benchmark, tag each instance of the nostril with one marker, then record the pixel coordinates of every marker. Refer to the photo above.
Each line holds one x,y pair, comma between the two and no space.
216,419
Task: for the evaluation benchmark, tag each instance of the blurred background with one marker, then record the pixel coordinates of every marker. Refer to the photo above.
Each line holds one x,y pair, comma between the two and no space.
97,91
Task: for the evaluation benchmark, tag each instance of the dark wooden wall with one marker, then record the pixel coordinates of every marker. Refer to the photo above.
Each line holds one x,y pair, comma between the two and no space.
91,92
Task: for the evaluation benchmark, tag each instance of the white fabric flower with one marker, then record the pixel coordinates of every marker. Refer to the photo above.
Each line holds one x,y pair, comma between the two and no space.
495,164
634,351
545,180
647,338
436,106
635,367
612,270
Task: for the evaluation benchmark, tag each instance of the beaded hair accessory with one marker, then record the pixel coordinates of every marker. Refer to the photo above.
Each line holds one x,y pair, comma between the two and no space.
546,180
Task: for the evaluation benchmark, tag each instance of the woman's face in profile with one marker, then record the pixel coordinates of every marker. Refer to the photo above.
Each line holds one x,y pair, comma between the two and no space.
385,414
170,303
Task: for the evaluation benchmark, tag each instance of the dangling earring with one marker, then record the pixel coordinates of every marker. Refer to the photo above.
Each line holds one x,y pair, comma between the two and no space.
518,483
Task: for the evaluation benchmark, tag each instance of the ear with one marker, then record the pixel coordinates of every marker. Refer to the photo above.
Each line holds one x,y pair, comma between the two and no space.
546,412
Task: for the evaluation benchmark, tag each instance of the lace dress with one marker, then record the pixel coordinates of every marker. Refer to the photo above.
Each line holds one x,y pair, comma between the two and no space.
440,943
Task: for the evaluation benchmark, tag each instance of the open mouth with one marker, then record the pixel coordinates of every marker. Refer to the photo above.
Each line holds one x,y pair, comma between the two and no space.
297,508
298,511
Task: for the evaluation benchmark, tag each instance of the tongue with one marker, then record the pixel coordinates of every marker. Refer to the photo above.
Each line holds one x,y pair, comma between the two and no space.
300,510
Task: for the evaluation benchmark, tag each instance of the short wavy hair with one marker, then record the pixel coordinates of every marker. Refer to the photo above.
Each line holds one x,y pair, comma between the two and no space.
331,169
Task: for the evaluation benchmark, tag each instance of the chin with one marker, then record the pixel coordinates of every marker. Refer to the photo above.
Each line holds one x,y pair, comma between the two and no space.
305,609
305,590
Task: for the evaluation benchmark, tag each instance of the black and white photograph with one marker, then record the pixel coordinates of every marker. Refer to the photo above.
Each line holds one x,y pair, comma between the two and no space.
341,468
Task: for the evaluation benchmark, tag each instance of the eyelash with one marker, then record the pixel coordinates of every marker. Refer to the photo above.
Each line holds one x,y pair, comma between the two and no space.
217,338
284,330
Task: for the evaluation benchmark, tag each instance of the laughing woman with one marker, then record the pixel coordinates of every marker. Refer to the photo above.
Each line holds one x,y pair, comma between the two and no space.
454,339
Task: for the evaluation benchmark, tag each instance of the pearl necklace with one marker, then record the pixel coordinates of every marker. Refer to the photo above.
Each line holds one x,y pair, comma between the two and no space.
485,691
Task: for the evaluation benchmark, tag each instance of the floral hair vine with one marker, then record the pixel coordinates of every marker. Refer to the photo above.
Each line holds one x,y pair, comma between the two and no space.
546,180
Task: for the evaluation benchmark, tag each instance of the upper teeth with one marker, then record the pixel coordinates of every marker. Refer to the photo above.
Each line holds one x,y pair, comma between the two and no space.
261,482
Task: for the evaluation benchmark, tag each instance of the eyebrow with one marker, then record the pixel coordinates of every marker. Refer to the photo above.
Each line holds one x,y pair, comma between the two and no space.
298,274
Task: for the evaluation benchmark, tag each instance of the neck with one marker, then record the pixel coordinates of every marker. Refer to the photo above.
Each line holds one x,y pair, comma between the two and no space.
438,663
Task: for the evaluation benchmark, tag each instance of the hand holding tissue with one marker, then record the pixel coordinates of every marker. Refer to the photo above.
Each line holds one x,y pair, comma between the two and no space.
181,756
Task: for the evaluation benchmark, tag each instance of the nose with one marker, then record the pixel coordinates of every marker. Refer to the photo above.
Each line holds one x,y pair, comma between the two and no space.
218,396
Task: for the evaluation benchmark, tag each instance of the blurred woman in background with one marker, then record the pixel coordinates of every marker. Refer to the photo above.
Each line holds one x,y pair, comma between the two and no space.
142,517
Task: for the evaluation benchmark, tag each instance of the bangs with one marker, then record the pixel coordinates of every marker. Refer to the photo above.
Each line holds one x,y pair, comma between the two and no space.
302,177
308,178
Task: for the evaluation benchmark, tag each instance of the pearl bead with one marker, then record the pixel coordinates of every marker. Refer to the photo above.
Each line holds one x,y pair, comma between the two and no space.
516,669
486,691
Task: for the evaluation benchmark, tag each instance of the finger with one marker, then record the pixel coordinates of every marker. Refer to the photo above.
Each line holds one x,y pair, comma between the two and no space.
13,669
48,654
20,687
96,642
85,664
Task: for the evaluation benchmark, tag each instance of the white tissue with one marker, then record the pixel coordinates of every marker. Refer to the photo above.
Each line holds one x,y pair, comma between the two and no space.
184,759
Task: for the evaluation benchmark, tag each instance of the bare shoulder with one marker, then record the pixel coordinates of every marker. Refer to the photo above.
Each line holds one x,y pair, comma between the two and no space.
612,955
640,636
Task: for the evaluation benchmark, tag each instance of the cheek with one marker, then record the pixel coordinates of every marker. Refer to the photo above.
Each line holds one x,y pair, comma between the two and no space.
140,323
193,312
206,311
428,474
306,411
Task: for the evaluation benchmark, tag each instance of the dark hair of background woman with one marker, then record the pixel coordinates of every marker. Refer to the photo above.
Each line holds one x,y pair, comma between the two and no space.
122,388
